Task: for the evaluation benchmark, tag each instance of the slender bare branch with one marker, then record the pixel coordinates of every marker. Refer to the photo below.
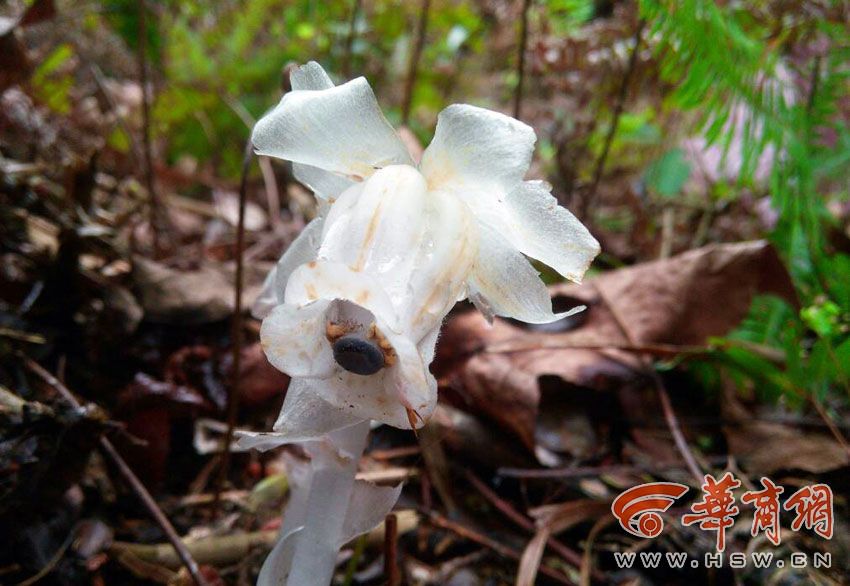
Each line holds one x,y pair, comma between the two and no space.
501,549
583,204
127,473
569,555
413,64
391,570
236,329
349,39
150,183
520,67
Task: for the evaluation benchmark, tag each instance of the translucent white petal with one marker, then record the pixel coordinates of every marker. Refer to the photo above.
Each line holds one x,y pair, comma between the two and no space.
544,230
302,250
340,129
504,283
268,297
307,416
293,339
378,228
441,264
310,76
384,396
410,381
262,441
276,568
428,344
324,184
369,505
479,148
329,280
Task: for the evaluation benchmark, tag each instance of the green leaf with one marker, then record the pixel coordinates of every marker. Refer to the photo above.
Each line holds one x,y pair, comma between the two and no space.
822,319
667,175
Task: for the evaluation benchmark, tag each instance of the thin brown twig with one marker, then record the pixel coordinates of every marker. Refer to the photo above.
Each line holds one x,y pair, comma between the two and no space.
349,39
55,559
391,570
663,396
236,331
583,205
830,424
524,522
669,350
520,68
586,471
100,82
673,423
127,473
587,565
155,204
413,64
476,537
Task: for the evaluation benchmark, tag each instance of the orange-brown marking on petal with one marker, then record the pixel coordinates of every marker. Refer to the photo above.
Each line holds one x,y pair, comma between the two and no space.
334,331
389,352
312,295
412,416
447,274
370,235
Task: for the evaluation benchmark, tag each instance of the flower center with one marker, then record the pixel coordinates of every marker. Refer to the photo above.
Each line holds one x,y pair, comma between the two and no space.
358,355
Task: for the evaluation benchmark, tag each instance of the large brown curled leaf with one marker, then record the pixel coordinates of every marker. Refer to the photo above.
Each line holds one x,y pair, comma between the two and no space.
663,305
757,444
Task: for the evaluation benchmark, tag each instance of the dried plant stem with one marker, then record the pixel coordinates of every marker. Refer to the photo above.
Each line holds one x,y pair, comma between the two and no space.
830,424
155,203
349,39
499,548
100,82
520,67
569,555
391,570
591,471
673,423
583,205
236,331
132,480
272,195
587,562
55,559
413,64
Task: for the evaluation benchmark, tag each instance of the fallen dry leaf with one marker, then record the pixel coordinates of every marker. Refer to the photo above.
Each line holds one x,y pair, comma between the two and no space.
756,444
665,306
560,517
532,555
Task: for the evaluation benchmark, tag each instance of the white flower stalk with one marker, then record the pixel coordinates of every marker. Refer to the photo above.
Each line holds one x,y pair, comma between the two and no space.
353,309
327,509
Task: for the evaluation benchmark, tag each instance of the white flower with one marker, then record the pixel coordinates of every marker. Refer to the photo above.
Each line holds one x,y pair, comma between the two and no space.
354,307
336,136
359,323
